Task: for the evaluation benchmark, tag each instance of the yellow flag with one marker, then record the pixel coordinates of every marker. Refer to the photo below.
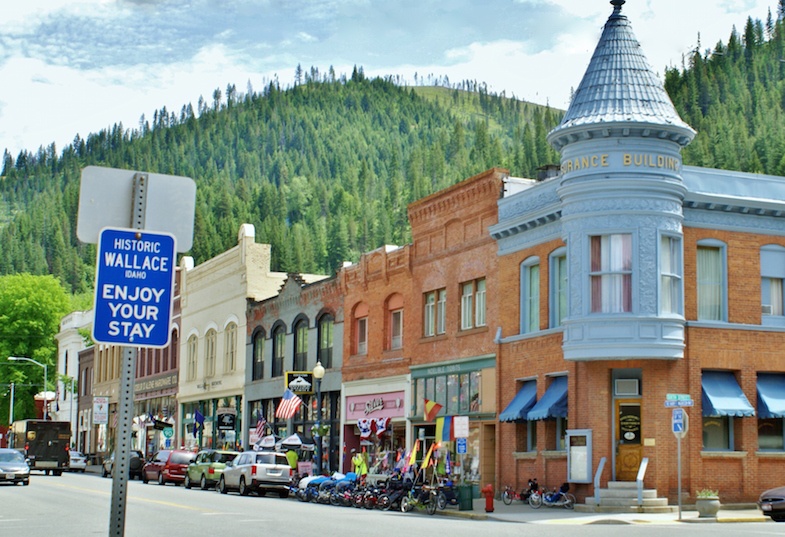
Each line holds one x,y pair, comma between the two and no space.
413,456
427,456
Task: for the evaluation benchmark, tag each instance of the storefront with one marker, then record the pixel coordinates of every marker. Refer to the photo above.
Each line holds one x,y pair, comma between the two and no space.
376,423
214,423
154,414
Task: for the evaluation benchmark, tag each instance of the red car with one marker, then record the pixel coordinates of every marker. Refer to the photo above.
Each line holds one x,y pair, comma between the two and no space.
168,466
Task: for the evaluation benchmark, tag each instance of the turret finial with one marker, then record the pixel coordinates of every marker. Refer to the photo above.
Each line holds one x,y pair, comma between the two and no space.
617,5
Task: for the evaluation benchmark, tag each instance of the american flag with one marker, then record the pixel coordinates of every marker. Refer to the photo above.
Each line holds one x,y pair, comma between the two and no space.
261,423
288,405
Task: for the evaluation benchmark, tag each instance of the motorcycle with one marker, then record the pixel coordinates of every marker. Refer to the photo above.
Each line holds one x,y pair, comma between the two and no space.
556,498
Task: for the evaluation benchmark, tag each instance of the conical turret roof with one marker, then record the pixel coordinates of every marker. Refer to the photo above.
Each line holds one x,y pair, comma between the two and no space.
620,86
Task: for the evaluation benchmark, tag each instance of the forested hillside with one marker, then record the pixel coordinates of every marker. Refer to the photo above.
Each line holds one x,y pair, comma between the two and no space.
324,169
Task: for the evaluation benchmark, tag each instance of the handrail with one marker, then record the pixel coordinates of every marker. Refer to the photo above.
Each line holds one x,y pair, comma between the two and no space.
639,480
597,476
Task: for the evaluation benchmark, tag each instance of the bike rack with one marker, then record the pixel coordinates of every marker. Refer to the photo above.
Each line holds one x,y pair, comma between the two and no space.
597,476
639,480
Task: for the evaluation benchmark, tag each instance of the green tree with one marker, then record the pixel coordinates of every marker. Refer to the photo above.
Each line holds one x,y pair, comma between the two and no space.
31,308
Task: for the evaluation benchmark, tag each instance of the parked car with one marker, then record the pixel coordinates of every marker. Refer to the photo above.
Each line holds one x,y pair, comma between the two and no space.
772,503
257,471
13,467
168,466
78,462
134,466
207,467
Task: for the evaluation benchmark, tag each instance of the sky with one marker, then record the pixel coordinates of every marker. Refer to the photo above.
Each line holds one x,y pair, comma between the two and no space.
71,67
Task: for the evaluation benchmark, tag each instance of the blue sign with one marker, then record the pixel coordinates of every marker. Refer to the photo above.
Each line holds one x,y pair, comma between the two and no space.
672,404
460,445
677,420
133,289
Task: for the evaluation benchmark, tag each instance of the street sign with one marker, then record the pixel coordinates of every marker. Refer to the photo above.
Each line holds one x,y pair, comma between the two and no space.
678,397
460,445
677,420
133,290
671,404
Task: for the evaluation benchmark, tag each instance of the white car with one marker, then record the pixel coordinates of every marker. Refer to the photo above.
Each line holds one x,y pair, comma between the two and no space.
78,462
257,471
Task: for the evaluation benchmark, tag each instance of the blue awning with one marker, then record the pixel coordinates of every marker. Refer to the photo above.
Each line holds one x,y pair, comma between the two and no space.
553,404
771,395
521,403
722,395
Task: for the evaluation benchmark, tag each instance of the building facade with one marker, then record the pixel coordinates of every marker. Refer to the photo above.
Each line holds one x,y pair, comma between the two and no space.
637,284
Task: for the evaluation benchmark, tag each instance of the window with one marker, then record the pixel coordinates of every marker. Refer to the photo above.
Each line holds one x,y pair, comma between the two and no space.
771,434
326,341
258,356
396,329
209,353
192,348
362,335
473,304
434,313
279,345
611,273
717,433
670,276
772,275
530,296
711,283
558,284
230,347
301,345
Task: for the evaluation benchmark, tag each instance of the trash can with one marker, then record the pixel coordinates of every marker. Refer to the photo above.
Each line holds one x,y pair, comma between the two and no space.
465,500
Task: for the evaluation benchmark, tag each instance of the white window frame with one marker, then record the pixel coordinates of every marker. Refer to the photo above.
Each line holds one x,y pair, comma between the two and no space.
210,342
429,314
559,277
193,347
610,274
530,295
473,304
671,269
441,311
396,329
230,347
362,335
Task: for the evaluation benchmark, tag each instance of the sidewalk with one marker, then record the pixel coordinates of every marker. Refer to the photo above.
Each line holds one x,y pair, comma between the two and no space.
522,513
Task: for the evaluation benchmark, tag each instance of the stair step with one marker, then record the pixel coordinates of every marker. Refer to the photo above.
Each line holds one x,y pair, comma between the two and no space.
627,502
627,493
581,508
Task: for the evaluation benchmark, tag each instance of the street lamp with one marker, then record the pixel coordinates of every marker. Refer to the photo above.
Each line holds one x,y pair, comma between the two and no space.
318,374
46,377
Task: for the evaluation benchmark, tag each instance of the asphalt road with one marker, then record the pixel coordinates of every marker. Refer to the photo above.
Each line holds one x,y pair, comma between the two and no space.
79,505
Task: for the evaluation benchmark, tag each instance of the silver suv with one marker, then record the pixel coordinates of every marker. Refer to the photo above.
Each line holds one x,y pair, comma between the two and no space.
257,471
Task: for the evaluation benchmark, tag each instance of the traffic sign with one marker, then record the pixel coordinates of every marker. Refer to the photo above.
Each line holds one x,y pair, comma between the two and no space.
678,397
460,445
133,290
677,420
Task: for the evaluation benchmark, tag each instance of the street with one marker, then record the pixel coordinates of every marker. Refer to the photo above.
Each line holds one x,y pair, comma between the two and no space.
76,505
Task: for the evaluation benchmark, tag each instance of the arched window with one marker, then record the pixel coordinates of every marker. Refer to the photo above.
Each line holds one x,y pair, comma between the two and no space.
325,355
192,348
230,347
279,347
300,362
209,353
257,372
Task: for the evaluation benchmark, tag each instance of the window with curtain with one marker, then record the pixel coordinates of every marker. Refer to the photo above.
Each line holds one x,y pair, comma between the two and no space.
258,356
326,340
396,329
611,273
279,347
362,335
300,362
711,288
473,304
230,347
209,353
530,296
192,348
670,275
558,284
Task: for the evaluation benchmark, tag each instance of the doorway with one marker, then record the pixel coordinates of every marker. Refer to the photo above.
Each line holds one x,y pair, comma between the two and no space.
629,449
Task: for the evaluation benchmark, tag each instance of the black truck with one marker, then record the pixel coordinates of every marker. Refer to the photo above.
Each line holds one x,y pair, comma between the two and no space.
44,443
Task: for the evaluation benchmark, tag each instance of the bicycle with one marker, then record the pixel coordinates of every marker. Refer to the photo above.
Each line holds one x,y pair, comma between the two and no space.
422,498
509,494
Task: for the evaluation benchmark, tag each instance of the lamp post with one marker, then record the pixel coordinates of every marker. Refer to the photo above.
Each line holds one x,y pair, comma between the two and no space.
318,374
39,364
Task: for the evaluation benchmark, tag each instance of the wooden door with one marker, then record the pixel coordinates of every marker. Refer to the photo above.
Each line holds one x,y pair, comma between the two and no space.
629,447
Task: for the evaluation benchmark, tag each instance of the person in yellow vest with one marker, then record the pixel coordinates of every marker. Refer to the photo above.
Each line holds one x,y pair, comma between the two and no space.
360,464
291,456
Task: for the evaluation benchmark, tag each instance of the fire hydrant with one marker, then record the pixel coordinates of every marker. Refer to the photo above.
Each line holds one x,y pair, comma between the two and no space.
487,491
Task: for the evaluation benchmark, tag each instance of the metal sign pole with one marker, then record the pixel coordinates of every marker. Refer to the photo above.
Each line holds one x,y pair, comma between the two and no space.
126,404
678,456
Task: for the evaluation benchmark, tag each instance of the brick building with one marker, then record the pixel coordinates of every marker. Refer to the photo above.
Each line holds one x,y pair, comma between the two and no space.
635,281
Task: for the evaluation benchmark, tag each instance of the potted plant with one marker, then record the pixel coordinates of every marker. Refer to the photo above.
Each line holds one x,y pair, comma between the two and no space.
707,502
